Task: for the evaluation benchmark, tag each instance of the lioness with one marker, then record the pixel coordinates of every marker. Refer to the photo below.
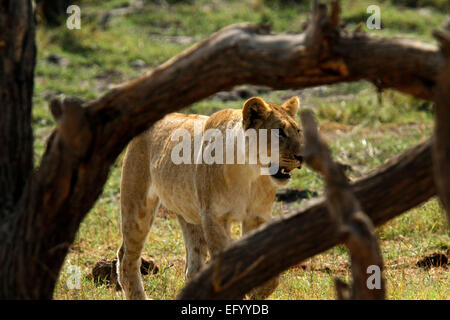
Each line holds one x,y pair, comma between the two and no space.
205,197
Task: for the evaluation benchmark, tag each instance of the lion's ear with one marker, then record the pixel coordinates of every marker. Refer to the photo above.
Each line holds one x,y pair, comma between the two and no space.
254,111
292,105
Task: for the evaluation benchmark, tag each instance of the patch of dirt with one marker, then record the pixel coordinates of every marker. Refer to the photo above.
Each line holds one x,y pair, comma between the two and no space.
139,64
108,79
49,94
134,7
240,93
104,271
184,40
303,94
57,60
334,128
339,266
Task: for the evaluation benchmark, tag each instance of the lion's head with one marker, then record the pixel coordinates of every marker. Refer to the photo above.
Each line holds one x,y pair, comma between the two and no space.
258,114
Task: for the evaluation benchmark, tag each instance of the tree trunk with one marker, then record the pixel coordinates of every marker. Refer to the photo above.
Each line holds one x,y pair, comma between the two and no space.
17,57
441,142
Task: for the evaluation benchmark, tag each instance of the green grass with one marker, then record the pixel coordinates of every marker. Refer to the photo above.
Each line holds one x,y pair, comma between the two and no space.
363,128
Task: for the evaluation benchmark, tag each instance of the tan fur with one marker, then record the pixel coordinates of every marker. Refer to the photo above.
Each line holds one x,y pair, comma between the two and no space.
206,198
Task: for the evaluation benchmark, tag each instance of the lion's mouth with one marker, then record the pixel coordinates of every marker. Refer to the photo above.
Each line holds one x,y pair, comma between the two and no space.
282,173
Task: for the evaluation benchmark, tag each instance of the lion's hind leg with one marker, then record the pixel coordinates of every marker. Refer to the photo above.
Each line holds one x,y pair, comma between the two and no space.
138,208
135,227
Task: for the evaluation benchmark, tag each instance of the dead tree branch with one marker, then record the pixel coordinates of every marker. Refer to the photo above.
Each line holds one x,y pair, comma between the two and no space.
356,227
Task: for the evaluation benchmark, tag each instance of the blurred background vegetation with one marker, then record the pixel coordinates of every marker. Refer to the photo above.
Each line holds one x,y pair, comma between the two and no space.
120,39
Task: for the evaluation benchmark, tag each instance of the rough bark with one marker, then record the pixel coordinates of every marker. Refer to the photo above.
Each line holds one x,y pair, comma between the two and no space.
17,56
441,142
355,226
89,136
403,183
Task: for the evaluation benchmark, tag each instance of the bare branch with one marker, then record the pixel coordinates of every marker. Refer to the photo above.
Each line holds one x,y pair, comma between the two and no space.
358,230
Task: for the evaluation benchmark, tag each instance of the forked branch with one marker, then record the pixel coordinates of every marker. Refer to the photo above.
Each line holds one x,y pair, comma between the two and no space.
357,228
